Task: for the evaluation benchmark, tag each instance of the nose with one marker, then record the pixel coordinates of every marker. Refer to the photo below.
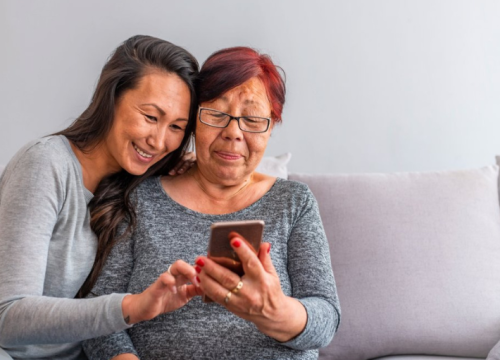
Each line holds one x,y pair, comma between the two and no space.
157,139
232,131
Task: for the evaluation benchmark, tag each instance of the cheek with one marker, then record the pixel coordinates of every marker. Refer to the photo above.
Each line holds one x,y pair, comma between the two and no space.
258,145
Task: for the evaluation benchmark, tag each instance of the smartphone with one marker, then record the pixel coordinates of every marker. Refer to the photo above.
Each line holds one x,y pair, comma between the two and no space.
219,247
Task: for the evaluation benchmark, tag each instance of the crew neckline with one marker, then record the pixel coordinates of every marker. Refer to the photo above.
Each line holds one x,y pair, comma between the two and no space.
236,214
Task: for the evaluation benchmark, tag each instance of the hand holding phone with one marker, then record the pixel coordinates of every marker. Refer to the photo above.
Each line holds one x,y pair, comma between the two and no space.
219,247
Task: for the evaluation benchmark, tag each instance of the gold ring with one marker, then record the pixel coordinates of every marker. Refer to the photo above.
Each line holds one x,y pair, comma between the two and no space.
238,287
228,297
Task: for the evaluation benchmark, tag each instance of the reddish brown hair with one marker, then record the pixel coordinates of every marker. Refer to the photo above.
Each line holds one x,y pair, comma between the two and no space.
228,68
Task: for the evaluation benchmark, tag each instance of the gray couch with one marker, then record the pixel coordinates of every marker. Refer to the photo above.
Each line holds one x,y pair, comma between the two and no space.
416,258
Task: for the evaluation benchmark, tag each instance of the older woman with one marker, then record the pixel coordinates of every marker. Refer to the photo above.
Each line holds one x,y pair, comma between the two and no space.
285,306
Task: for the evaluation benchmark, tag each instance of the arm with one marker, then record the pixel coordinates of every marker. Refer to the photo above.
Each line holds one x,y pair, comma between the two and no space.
169,292
114,278
311,275
31,198
307,319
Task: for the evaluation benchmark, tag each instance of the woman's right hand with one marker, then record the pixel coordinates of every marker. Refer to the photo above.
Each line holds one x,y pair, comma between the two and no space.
169,292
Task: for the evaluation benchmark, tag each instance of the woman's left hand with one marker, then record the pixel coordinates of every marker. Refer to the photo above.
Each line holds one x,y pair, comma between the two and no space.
257,296
185,163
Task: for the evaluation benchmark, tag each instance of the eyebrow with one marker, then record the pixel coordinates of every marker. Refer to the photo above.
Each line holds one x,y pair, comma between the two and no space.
246,102
160,110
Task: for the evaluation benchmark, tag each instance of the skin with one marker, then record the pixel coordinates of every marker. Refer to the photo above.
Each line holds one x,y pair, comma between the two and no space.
227,157
152,117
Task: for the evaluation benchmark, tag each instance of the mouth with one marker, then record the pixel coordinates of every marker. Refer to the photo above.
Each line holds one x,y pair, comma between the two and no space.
228,155
141,152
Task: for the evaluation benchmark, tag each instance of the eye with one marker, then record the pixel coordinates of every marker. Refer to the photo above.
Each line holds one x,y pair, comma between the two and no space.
151,118
177,127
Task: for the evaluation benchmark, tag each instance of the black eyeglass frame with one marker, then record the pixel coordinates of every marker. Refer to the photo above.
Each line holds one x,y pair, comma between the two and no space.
237,118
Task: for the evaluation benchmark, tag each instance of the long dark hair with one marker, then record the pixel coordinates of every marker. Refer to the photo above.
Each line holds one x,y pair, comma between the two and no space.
111,203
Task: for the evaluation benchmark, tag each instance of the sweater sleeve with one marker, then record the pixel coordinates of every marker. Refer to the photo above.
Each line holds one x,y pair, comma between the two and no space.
312,279
114,277
31,196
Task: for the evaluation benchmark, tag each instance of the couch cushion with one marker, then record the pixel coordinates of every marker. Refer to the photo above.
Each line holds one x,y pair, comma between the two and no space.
275,165
416,258
424,357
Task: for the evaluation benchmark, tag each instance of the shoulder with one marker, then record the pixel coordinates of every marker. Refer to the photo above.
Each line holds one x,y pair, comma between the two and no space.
50,155
50,150
147,190
291,195
292,188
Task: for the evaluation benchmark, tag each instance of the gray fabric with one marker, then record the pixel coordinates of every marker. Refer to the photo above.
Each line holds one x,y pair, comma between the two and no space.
46,252
415,257
167,231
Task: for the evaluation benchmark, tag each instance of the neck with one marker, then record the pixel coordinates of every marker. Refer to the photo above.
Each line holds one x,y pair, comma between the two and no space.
219,192
95,166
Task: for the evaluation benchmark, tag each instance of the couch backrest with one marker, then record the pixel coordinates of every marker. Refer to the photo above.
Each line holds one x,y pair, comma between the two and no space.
416,261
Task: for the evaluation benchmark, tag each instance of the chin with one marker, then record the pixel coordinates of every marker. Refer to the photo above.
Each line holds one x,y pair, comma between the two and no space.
136,170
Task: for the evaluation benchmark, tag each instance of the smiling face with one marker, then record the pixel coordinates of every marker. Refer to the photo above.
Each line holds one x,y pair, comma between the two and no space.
228,155
149,123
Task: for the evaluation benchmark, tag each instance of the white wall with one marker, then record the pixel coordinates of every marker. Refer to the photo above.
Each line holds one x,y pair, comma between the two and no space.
388,85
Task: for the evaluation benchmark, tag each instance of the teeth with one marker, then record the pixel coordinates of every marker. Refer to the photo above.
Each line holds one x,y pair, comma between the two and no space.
142,153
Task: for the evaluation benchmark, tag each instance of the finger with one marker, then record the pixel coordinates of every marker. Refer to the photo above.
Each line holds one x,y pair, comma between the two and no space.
213,289
189,157
164,282
192,291
247,254
185,166
183,272
265,258
224,277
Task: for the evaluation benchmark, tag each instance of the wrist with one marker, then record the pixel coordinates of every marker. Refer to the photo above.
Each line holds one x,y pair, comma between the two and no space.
129,309
287,322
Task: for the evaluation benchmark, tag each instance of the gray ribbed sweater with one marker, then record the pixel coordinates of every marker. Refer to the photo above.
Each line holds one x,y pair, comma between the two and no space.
167,231
46,252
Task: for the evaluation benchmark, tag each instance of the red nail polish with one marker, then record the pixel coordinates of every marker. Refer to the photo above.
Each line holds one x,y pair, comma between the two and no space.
198,269
197,278
200,262
236,243
269,248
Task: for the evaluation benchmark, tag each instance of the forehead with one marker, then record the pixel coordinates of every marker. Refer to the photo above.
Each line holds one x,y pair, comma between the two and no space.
251,93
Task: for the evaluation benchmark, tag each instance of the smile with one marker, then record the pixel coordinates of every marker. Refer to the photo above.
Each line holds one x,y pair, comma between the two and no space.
142,153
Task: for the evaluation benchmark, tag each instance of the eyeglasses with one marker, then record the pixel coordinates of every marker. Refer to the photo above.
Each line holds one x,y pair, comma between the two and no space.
219,119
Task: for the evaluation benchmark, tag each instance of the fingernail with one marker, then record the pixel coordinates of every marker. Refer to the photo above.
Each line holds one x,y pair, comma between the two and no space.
200,262
236,243
198,279
198,269
269,248
180,171
174,289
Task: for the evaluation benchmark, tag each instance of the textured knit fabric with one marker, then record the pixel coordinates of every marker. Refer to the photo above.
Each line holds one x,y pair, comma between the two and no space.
167,231
46,252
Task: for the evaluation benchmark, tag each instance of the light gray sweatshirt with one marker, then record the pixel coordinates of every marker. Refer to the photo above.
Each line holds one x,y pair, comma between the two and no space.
46,252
